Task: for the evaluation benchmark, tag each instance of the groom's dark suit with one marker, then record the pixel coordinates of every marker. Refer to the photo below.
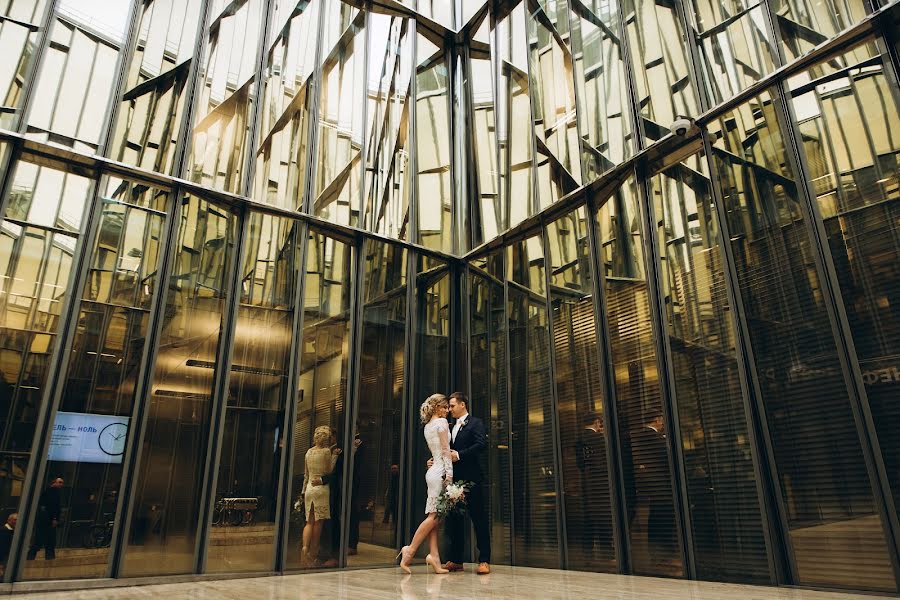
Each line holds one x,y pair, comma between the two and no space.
470,442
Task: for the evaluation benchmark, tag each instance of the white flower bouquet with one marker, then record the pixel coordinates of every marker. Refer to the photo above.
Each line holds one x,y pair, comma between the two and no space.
452,499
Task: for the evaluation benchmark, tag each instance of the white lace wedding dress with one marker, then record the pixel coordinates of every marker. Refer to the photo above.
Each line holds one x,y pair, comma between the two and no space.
437,436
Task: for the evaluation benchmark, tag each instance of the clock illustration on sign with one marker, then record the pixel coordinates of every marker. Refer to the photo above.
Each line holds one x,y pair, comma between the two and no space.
112,438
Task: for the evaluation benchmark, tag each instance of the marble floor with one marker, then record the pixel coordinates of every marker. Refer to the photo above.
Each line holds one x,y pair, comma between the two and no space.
502,584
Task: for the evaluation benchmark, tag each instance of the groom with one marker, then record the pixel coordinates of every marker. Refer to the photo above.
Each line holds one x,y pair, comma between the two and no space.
467,442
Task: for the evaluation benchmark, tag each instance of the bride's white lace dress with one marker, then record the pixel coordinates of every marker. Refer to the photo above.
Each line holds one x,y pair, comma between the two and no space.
437,436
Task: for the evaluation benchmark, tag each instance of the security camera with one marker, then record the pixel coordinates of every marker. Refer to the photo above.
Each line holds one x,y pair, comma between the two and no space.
681,126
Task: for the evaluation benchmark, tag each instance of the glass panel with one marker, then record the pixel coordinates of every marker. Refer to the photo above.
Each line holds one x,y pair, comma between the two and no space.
152,105
78,73
804,24
321,402
386,207
647,474
381,402
586,492
660,63
35,270
728,535
735,44
174,446
514,120
533,465
224,102
243,534
100,384
21,22
336,195
433,148
836,534
487,213
850,129
281,158
440,11
553,101
490,403
603,99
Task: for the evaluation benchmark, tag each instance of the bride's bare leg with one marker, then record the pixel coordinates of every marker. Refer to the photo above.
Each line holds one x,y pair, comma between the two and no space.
425,528
433,544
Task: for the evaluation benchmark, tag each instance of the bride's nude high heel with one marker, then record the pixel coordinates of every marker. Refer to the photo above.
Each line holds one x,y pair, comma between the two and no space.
431,561
404,564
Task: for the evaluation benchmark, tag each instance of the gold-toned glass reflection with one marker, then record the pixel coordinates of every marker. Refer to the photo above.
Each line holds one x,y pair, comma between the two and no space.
534,497
582,423
101,377
603,98
78,74
660,63
224,102
728,535
486,213
318,454
736,47
167,498
281,156
433,147
336,193
387,180
36,260
153,98
551,74
642,429
835,532
382,391
850,129
804,24
243,532
21,22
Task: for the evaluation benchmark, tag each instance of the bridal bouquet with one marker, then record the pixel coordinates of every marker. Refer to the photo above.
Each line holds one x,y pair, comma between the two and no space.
452,499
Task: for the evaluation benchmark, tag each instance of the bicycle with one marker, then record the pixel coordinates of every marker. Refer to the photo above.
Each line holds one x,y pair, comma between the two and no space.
234,511
99,535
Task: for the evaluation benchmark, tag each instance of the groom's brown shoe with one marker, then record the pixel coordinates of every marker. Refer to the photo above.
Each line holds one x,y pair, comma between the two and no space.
452,566
483,569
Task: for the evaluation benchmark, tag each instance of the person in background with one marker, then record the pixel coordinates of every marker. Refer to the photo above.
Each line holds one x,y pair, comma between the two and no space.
6,536
47,520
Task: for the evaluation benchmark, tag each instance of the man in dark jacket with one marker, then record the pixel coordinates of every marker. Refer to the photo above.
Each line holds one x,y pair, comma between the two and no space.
6,536
467,442
47,520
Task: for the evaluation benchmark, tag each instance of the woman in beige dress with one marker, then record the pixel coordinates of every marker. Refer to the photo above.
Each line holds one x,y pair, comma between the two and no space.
320,460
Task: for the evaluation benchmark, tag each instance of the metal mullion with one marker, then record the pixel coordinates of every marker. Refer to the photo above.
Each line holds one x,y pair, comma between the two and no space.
192,85
286,468
774,31
413,206
633,105
408,412
224,354
34,67
668,396
363,147
841,330
255,119
576,94
352,401
456,169
535,207
509,413
56,377
126,52
616,482
694,57
312,102
562,533
772,509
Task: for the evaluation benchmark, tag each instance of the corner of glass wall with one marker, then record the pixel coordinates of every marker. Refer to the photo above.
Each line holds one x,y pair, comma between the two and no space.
224,101
318,456
77,75
834,526
22,23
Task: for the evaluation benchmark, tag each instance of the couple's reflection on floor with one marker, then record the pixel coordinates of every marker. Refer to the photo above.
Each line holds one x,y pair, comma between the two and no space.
413,587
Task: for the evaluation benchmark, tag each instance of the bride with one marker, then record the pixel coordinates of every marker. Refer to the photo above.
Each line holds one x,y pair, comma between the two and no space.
437,434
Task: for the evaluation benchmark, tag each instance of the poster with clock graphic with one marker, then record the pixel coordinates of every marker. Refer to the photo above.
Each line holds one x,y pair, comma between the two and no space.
86,437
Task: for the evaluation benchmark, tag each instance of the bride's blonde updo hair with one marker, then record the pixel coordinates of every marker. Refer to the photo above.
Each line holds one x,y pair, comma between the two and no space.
322,436
430,405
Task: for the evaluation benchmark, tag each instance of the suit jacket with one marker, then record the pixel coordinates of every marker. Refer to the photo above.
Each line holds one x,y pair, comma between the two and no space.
471,441
6,535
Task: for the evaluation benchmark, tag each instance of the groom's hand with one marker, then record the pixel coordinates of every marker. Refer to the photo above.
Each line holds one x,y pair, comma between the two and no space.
430,462
454,455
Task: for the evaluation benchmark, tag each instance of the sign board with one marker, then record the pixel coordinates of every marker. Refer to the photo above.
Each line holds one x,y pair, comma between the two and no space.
84,437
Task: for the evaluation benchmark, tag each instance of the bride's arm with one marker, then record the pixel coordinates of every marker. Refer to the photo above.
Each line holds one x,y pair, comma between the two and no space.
444,435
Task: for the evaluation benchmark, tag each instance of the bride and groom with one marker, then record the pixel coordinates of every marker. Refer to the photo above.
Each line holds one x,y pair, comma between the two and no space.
454,453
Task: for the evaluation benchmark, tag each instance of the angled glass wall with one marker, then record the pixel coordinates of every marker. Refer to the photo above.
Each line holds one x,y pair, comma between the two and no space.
241,242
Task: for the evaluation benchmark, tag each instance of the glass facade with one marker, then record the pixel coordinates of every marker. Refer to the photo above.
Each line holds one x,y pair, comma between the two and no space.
241,241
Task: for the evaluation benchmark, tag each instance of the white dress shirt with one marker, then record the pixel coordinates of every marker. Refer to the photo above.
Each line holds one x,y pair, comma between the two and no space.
456,426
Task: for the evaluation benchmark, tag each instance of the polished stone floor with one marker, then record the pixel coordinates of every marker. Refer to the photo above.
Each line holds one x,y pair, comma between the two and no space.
504,583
